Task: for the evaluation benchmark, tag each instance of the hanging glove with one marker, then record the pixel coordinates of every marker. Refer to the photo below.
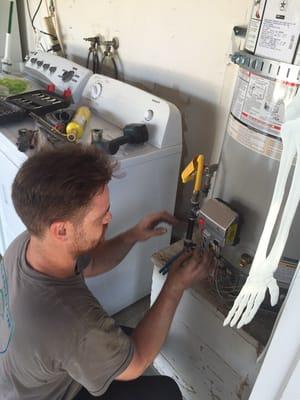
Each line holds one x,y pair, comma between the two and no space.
250,298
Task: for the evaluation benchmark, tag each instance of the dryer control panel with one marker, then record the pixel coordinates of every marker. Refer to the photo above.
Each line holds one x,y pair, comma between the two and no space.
121,104
64,74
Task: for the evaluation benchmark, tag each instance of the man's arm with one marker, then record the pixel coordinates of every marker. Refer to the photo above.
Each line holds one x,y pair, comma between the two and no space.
111,252
151,332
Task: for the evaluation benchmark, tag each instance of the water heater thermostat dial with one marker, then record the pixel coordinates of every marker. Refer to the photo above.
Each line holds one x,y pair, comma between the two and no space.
96,90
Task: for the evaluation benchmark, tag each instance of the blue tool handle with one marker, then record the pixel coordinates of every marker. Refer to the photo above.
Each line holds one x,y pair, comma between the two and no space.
168,264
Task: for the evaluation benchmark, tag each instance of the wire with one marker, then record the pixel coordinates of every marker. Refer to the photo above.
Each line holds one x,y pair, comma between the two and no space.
226,285
29,13
54,10
36,11
43,48
33,18
115,67
46,3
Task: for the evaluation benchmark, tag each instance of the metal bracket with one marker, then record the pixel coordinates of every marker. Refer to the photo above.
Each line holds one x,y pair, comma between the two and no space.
266,67
114,43
240,31
95,41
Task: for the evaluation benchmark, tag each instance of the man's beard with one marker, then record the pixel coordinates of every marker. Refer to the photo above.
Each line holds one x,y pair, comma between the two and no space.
81,246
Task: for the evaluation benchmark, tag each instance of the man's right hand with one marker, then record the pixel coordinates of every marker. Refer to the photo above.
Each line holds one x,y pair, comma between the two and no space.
189,268
151,332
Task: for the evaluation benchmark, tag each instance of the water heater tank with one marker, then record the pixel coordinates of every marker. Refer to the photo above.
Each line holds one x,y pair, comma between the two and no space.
252,149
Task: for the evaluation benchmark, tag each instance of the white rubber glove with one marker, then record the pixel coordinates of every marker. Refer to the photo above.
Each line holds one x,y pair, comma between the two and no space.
250,298
261,275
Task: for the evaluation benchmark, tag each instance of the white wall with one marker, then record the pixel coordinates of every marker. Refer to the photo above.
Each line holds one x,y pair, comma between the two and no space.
175,49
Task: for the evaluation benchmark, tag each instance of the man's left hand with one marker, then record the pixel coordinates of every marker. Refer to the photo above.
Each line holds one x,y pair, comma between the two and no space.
148,226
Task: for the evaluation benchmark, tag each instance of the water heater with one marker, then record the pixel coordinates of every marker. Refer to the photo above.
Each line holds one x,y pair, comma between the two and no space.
252,146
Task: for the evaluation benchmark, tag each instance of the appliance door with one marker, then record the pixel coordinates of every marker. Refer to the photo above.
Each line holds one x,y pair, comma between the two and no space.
279,374
145,184
10,224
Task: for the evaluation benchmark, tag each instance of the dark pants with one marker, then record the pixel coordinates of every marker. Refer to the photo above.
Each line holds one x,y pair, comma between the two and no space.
144,388
155,387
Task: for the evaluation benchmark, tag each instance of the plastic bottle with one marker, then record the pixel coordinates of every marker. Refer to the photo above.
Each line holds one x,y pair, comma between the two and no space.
75,127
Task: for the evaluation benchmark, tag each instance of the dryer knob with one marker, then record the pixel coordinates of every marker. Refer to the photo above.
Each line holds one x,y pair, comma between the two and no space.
67,75
148,115
96,90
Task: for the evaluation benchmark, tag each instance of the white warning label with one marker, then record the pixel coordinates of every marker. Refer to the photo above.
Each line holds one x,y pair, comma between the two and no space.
260,102
273,30
254,25
268,146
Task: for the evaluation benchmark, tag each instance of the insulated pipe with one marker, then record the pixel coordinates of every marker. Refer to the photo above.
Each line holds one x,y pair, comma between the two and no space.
6,61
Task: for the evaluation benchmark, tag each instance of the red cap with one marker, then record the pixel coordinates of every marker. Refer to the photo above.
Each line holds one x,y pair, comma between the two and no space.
201,222
67,93
51,88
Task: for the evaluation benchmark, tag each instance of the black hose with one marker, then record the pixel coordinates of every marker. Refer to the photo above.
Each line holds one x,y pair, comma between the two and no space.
115,68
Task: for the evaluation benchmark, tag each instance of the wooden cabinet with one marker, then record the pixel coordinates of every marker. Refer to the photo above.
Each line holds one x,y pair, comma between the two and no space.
208,361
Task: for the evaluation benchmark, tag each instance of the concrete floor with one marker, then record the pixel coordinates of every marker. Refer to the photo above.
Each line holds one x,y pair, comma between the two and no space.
131,316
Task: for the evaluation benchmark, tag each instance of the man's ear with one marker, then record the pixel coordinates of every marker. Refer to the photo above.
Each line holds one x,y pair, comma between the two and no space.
59,231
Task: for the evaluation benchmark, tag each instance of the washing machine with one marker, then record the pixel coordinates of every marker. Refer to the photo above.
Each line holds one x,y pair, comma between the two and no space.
40,70
146,180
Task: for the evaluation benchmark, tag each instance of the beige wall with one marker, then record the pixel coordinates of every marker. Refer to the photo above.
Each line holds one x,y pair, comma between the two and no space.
175,49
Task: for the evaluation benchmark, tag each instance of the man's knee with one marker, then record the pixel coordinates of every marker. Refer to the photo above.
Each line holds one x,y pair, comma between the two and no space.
172,391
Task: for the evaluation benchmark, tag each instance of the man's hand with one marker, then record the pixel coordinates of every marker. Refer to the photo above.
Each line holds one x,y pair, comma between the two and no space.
151,332
112,251
189,268
147,227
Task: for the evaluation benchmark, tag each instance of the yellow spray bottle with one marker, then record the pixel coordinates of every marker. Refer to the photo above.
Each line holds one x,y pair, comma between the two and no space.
75,127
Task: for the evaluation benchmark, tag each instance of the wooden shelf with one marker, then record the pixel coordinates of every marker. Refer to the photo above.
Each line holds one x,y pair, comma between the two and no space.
260,327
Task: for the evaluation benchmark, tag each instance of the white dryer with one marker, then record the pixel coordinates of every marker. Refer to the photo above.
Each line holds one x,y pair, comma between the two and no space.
10,161
147,179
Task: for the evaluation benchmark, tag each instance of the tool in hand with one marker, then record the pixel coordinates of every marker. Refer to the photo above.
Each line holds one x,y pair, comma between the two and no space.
168,264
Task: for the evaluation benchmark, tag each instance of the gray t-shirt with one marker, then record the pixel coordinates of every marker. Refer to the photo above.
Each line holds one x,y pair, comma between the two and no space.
54,335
